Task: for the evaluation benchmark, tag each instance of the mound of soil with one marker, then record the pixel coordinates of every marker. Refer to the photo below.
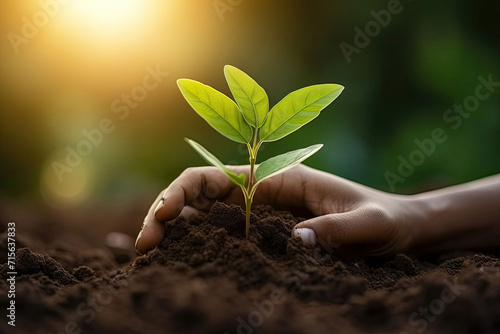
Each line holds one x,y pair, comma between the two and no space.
206,277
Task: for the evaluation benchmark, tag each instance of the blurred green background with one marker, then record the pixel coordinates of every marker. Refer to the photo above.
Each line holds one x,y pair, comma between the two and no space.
65,78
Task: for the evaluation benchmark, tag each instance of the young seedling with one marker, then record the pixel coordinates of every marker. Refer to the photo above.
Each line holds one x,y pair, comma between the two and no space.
252,123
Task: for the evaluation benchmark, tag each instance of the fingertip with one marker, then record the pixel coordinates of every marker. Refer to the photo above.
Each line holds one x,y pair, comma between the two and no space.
168,211
171,204
151,235
141,245
138,245
307,235
317,231
147,241
160,205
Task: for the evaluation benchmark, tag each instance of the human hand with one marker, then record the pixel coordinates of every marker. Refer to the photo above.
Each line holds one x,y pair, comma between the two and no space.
359,219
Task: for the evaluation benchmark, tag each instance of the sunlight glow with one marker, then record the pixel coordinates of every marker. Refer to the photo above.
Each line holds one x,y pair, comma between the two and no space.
108,13
74,188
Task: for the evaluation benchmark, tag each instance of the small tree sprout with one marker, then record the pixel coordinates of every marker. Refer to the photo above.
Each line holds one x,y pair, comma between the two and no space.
249,121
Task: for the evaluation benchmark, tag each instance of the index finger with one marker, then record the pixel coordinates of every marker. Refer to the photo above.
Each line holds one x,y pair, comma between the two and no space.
185,190
197,187
152,231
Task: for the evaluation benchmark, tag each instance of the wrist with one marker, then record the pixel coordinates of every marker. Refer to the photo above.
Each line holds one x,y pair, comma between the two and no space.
433,221
417,218
410,216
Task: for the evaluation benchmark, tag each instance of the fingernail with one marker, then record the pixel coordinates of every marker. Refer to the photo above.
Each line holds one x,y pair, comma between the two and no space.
160,204
306,234
137,241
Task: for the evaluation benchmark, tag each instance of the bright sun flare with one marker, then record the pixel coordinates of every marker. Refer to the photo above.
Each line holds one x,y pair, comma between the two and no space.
108,13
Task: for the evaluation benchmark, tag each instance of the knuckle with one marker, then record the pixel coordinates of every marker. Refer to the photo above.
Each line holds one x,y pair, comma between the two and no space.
381,220
198,171
379,214
189,171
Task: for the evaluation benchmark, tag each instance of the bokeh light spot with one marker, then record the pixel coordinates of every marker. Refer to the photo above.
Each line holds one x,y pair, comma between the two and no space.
68,188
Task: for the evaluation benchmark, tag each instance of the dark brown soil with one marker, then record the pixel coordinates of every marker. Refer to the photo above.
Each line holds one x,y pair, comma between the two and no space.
206,278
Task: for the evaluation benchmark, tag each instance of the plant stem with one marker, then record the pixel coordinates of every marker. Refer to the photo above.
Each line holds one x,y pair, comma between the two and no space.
248,197
248,205
252,152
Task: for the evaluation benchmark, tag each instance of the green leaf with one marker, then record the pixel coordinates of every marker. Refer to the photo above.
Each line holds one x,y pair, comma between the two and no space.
297,109
211,159
217,109
285,161
251,97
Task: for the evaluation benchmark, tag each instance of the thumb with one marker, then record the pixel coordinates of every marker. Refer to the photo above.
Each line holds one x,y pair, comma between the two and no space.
333,230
